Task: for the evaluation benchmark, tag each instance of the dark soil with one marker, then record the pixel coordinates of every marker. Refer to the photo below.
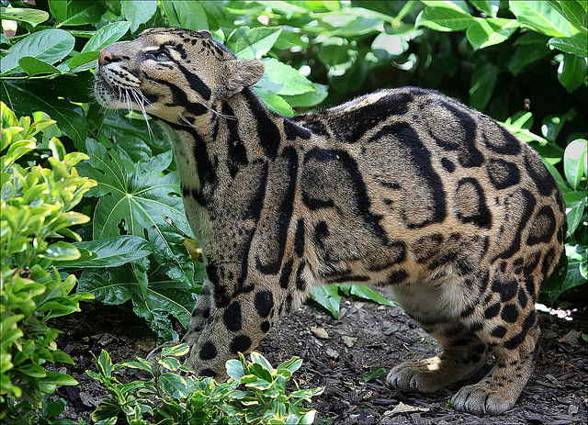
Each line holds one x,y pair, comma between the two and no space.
367,337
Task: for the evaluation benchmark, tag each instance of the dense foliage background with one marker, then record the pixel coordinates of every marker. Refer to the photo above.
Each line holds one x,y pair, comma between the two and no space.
522,62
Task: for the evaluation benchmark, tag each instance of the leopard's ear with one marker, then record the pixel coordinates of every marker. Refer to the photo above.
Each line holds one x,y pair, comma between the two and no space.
237,74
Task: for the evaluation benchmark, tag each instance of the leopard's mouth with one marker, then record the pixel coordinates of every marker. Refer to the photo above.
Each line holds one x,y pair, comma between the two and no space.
117,89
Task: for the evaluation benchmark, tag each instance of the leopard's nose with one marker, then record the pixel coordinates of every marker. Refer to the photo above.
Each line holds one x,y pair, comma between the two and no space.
105,57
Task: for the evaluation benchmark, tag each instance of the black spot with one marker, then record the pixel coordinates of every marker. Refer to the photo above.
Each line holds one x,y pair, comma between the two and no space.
321,231
237,154
289,301
299,238
468,311
232,316
492,311
502,173
527,207
240,344
195,82
315,126
530,285
471,203
397,276
316,203
547,261
509,313
499,331
448,165
207,372
264,302
294,130
207,351
506,288
426,247
522,297
285,274
497,139
300,281
469,155
539,174
265,326
349,278
516,340
542,227
267,131
351,126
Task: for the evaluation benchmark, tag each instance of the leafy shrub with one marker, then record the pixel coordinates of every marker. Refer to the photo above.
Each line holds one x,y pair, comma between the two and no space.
255,393
35,220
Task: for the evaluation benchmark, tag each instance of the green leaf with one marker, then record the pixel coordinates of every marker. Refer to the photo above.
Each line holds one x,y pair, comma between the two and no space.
234,369
34,66
575,11
282,79
275,102
58,379
49,46
104,364
176,351
444,15
530,47
482,86
106,35
30,16
185,14
28,98
134,198
170,363
173,385
75,12
542,17
488,32
575,211
138,12
328,297
253,43
112,252
61,251
575,157
374,374
367,293
575,45
571,72
489,7
309,99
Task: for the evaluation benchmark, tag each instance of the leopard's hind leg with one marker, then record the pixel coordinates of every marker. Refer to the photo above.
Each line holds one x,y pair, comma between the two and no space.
510,330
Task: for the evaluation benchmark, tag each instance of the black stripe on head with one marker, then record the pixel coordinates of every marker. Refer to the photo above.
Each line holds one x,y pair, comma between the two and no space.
195,82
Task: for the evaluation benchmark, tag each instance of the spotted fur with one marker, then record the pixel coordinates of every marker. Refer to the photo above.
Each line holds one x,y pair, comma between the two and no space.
404,188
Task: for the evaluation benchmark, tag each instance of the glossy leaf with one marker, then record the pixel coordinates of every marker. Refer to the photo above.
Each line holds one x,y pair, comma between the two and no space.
106,35
575,157
30,16
542,17
185,14
50,45
75,12
253,43
575,45
109,252
489,7
444,15
34,66
138,12
571,72
488,32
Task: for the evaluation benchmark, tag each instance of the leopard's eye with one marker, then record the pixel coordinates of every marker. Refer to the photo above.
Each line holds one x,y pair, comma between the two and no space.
158,56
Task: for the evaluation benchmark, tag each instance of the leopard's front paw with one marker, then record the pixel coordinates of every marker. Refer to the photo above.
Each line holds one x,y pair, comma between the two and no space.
481,399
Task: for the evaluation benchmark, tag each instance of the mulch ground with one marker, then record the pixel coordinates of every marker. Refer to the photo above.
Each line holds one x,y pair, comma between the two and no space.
340,354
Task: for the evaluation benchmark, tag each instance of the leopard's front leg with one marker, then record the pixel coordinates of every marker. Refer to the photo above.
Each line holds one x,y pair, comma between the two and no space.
241,313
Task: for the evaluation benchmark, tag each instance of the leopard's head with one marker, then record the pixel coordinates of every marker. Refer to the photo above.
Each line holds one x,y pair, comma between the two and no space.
171,73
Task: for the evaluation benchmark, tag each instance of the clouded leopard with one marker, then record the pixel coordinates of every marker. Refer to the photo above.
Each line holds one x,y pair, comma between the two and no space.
405,188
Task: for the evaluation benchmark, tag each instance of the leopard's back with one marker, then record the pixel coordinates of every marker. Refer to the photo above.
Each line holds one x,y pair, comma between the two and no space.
408,182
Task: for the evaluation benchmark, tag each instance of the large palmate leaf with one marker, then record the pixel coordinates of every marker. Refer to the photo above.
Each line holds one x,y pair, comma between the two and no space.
134,198
155,301
109,252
